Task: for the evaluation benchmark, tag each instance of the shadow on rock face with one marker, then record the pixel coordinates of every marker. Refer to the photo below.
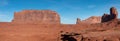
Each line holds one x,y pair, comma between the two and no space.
71,39
69,36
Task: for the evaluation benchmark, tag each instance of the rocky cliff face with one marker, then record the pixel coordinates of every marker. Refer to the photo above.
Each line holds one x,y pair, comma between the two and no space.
108,17
36,17
113,13
92,19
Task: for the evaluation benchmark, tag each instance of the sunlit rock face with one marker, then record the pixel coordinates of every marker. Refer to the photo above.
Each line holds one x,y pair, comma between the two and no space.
108,17
92,20
36,17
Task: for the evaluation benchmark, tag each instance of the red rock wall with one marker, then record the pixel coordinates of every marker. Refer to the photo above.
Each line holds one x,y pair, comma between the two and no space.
36,17
90,20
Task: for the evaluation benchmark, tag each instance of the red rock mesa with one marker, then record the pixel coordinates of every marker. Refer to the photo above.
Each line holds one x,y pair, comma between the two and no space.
36,17
90,20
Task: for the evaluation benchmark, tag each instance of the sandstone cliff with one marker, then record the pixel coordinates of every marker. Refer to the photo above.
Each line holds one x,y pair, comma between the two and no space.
92,20
36,17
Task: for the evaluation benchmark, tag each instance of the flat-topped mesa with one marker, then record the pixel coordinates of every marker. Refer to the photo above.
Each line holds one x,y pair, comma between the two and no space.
36,17
108,17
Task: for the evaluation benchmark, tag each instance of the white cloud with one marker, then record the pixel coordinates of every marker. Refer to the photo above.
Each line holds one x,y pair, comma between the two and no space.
3,2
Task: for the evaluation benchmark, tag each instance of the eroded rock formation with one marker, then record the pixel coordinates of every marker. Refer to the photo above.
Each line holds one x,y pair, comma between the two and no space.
92,20
36,17
78,21
113,15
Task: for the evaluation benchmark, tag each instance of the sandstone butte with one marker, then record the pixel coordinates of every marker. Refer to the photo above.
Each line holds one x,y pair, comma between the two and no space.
113,15
36,17
44,25
90,20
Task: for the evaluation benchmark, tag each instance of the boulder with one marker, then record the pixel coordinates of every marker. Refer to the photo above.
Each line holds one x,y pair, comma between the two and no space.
36,17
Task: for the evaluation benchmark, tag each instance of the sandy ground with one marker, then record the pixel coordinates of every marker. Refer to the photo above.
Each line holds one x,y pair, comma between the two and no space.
35,32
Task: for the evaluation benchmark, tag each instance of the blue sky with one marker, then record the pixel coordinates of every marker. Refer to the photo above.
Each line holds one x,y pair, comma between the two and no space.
68,10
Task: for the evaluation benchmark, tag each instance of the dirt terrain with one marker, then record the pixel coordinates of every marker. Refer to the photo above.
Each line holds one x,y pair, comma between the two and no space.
35,32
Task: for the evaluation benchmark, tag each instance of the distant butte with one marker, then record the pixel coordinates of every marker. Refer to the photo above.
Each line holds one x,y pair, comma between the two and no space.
108,17
51,17
36,17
